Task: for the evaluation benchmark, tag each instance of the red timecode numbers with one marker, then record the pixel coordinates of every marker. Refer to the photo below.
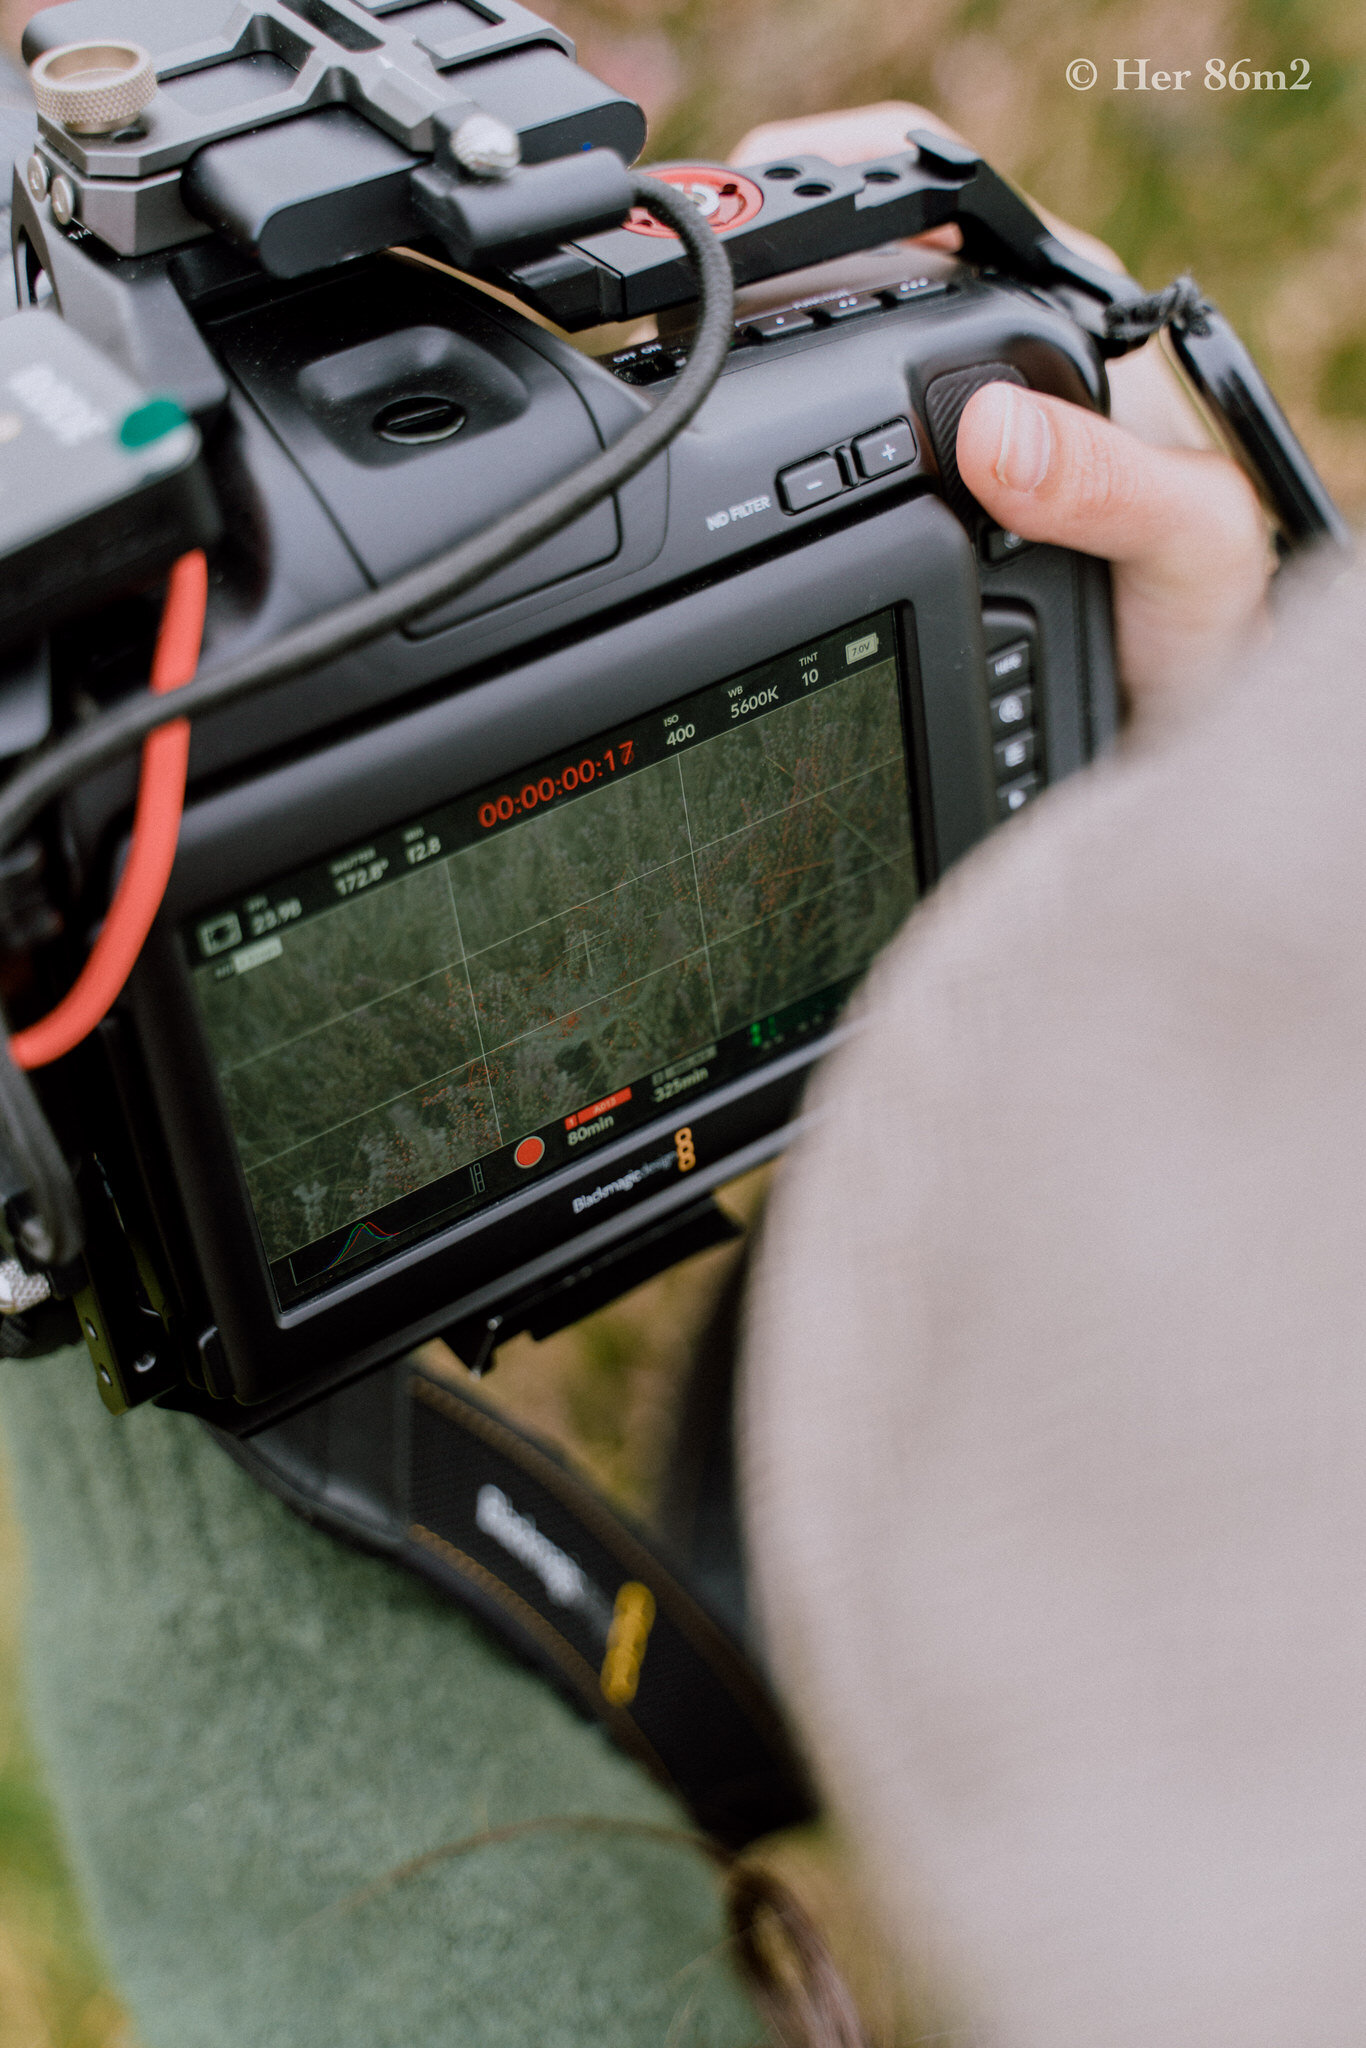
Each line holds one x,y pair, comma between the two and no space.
576,775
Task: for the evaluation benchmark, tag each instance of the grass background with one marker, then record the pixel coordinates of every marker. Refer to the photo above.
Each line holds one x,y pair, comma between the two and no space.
52,1990
1261,193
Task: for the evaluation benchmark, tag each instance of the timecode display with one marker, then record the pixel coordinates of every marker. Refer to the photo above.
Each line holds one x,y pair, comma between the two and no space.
592,766
574,776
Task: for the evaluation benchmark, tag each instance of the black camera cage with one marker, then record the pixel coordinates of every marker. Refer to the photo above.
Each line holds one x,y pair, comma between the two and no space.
328,166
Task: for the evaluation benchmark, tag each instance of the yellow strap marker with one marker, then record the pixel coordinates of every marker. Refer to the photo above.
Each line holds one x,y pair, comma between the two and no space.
632,1619
683,1145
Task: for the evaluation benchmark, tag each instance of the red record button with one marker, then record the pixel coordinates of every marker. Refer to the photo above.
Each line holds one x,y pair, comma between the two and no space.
530,1152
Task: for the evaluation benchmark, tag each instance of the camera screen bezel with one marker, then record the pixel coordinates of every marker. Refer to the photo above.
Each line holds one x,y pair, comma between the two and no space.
912,559
479,1077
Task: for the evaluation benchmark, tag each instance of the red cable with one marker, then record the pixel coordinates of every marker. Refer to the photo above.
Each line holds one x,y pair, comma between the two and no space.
156,828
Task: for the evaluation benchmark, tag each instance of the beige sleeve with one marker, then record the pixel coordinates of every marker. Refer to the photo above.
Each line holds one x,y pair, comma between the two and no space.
1056,1395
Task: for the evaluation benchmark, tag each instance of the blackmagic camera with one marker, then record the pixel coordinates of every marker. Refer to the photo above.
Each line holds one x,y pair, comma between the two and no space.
497,943
571,729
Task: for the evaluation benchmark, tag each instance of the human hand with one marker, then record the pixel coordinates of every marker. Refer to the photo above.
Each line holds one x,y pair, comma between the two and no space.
1181,527
1180,524
14,15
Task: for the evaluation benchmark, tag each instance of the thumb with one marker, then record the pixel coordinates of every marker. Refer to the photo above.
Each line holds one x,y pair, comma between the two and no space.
1182,527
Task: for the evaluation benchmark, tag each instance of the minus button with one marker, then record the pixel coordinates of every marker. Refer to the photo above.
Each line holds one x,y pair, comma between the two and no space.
809,483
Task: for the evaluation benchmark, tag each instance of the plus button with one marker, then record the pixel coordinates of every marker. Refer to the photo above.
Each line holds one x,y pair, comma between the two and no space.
888,447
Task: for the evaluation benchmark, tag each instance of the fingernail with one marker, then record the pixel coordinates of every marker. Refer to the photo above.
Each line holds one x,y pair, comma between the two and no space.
1026,441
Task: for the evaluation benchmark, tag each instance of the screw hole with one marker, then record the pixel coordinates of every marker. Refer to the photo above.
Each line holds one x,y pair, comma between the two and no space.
813,190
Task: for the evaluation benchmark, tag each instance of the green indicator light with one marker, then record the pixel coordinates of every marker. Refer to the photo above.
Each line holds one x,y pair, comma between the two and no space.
151,422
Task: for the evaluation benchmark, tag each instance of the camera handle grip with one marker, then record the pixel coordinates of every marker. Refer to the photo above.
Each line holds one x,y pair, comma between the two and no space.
1001,229
810,211
1235,395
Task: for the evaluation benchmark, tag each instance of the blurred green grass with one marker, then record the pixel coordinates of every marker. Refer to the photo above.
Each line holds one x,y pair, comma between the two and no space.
52,1988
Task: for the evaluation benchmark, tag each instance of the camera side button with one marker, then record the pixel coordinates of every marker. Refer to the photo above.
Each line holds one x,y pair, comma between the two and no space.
1015,755
1016,795
911,288
1009,714
850,306
773,326
1000,545
808,483
1008,665
891,447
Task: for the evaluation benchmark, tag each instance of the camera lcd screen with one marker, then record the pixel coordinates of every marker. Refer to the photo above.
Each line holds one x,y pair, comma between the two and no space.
443,1013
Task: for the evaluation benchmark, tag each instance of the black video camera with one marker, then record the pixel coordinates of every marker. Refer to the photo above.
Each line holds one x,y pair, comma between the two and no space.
500,936
571,729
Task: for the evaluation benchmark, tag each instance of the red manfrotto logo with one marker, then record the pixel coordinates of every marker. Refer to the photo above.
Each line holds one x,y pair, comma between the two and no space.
723,197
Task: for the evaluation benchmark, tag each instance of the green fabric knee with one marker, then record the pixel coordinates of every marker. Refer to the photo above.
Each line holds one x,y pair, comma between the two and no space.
247,1727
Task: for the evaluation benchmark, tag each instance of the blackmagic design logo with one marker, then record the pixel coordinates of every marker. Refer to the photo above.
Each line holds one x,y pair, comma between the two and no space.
626,1181
567,1583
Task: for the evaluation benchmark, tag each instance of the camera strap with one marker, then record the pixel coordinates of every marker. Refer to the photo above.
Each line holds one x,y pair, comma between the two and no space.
501,1526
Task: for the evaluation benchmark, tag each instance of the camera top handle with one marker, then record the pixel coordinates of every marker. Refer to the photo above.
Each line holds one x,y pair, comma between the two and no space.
487,139
801,210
